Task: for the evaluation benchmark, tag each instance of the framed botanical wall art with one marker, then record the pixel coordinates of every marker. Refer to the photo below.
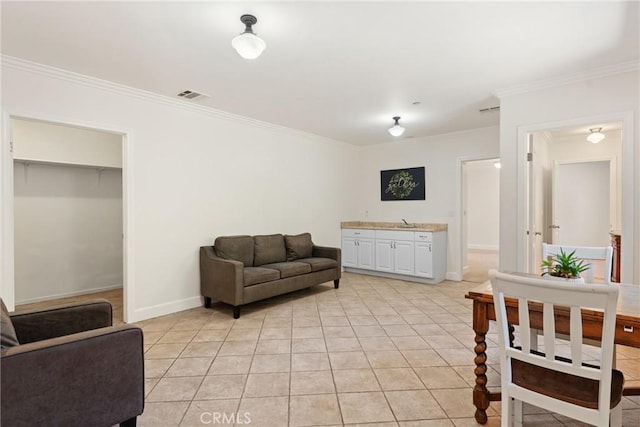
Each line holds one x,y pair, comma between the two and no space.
402,184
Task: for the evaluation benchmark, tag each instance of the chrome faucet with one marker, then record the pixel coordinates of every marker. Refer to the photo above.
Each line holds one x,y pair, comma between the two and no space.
405,221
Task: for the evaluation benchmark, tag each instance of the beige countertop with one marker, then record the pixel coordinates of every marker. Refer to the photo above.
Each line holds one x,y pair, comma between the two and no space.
377,225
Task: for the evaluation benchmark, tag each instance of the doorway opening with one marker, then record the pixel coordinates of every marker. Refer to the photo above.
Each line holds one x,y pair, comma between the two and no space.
68,214
574,190
480,218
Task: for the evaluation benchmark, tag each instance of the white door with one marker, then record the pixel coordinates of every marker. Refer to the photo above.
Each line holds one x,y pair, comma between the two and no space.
582,203
536,203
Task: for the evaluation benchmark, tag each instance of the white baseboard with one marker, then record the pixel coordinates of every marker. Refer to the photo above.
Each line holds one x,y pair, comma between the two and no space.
455,277
145,313
487,248
69,294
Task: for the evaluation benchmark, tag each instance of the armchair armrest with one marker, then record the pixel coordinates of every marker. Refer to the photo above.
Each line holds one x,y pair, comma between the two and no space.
89,378
221,279
42,324
328,252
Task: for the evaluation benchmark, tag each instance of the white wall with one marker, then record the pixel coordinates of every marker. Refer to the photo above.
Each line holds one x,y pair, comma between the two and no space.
49,142
441,156
68,230
483,205
190,175
601,99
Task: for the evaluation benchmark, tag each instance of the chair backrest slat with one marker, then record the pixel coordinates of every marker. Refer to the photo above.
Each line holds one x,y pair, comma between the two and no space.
549,331
575,336
525,331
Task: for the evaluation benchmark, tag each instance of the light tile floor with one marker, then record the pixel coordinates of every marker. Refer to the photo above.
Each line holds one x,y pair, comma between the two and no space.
376,352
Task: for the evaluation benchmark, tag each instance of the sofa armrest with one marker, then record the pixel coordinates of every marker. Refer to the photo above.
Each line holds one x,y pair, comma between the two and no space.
328,252
89,378
42,324
221,279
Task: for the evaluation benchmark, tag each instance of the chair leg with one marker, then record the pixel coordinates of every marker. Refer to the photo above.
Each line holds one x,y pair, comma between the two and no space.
517,413
131,422
336,283
616,416
507,411
236,311
207,302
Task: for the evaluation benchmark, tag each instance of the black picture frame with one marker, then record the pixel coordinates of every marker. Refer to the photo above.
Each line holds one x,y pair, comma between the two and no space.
403,184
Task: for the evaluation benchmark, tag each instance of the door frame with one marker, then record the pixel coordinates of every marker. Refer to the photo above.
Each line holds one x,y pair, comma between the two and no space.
7,254
461,201
630,202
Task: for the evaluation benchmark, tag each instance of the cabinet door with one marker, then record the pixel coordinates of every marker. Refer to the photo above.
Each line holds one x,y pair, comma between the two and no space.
424,259
366,251
384,255
403,257
349,252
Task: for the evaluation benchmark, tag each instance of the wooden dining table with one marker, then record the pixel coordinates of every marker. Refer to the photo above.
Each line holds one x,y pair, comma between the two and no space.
627,332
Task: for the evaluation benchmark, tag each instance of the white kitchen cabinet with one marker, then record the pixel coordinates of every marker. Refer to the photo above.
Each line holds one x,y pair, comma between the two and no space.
419,256
394,251
403,257
424,254
384,255
430,255
358,249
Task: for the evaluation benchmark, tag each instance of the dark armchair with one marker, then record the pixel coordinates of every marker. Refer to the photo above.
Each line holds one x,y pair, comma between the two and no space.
70,366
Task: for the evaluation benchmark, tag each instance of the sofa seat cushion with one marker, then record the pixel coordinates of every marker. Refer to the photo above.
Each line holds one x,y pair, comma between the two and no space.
237,248
290,269
255,275
268,249
319,264
299,246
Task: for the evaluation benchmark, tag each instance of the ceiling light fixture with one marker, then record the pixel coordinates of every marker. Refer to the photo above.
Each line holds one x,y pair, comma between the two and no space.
396,129
248,44
595,136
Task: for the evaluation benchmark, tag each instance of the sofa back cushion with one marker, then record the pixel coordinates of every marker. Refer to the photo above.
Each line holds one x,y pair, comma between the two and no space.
298,246
8,336
268,249
238,248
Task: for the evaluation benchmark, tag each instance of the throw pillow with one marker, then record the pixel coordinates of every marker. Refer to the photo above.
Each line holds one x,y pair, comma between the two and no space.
299,246
238,248
269,249
8,336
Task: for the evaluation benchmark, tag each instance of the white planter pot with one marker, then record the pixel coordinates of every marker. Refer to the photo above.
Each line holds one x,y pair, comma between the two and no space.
577,281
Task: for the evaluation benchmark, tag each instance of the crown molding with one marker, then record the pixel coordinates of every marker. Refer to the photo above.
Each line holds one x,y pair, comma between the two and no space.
70,76
595,73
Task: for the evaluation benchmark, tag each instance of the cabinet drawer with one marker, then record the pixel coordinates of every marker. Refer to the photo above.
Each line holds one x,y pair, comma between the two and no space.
357,232
394,235
423,236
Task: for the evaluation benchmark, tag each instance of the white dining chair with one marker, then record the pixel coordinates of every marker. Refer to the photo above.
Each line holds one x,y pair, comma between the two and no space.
587,253
590,393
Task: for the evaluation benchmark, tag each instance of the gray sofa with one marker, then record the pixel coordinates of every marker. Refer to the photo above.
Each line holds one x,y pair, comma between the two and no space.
67,366
238,270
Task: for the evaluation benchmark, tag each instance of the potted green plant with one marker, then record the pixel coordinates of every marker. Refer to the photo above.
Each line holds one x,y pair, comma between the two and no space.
564,266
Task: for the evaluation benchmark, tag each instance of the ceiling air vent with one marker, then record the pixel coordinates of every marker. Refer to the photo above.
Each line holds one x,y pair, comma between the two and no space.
189,94
489,109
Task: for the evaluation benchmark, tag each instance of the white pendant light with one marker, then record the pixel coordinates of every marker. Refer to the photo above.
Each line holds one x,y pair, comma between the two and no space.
396,129
247,44
595,136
